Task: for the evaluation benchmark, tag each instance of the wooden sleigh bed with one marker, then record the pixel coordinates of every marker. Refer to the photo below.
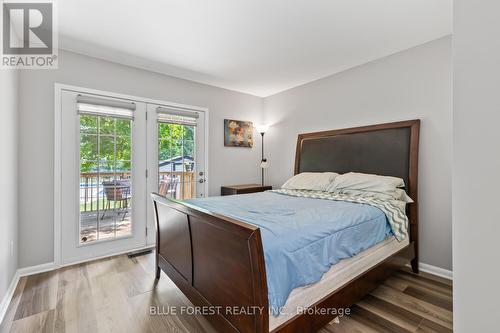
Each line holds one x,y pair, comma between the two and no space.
218,262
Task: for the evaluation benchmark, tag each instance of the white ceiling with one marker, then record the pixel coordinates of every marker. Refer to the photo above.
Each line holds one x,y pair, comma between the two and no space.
259,47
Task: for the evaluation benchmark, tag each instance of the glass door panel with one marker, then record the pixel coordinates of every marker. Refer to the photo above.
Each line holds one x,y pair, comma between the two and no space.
176,160
105,178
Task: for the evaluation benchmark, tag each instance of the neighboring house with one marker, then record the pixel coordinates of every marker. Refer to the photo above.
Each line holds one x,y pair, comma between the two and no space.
177,164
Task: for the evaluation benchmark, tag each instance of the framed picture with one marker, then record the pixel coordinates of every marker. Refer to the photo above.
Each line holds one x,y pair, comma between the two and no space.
238,133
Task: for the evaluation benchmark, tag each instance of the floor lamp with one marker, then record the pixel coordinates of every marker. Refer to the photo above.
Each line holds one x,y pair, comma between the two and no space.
263,162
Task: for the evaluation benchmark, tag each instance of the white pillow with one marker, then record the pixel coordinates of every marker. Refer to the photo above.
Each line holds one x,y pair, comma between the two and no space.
314,181
366,182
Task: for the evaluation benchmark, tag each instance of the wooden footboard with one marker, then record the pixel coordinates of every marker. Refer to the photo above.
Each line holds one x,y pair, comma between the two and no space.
217,262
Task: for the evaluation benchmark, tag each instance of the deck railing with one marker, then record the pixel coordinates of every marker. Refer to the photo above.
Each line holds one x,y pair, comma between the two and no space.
93,198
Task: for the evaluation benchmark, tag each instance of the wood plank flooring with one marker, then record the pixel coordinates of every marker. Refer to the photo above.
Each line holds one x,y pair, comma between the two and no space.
115,295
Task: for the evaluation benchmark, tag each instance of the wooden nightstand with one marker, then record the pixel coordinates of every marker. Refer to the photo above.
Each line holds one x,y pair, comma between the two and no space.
242,189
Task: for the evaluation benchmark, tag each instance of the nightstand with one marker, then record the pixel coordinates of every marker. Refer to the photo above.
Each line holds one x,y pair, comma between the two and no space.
242,189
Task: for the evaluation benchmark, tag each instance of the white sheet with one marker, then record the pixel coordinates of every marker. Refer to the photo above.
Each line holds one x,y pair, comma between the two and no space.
338,275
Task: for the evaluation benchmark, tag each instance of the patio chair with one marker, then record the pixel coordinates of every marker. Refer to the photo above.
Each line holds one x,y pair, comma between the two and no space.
168,186
117,191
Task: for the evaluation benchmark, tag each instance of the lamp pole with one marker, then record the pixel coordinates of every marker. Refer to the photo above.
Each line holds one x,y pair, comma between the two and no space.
262,160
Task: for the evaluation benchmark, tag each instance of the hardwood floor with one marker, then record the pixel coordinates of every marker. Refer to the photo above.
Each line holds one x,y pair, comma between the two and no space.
115,295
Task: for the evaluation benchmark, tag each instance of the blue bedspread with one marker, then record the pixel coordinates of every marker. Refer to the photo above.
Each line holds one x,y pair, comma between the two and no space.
302,237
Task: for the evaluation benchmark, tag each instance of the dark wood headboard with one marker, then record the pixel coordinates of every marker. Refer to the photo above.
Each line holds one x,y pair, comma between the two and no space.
385,149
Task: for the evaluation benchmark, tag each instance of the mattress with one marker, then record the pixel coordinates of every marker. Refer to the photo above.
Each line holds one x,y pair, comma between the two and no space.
336,277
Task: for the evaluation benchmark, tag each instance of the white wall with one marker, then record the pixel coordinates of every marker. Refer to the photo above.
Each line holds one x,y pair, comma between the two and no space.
415,83
9,83
36,159
476,166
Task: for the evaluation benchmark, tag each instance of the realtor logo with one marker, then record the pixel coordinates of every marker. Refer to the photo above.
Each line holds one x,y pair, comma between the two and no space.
28,37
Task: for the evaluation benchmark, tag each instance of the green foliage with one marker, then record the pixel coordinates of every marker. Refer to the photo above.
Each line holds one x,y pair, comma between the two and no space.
105,143
175,140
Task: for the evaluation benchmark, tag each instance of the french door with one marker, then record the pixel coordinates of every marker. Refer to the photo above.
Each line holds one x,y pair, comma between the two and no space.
114,153
177,158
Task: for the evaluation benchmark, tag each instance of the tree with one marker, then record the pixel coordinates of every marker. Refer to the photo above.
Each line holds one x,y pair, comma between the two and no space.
175,140
105,143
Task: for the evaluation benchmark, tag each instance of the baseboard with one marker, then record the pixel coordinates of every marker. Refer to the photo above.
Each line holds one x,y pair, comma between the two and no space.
25,271
434,270
4,305
438,271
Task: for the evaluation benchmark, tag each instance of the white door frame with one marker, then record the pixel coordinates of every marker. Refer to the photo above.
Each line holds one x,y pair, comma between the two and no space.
58,88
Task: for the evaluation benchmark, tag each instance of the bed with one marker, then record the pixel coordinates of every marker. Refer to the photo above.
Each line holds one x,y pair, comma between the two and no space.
215,255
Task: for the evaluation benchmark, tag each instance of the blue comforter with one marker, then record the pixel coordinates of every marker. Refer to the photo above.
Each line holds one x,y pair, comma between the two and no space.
302,237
